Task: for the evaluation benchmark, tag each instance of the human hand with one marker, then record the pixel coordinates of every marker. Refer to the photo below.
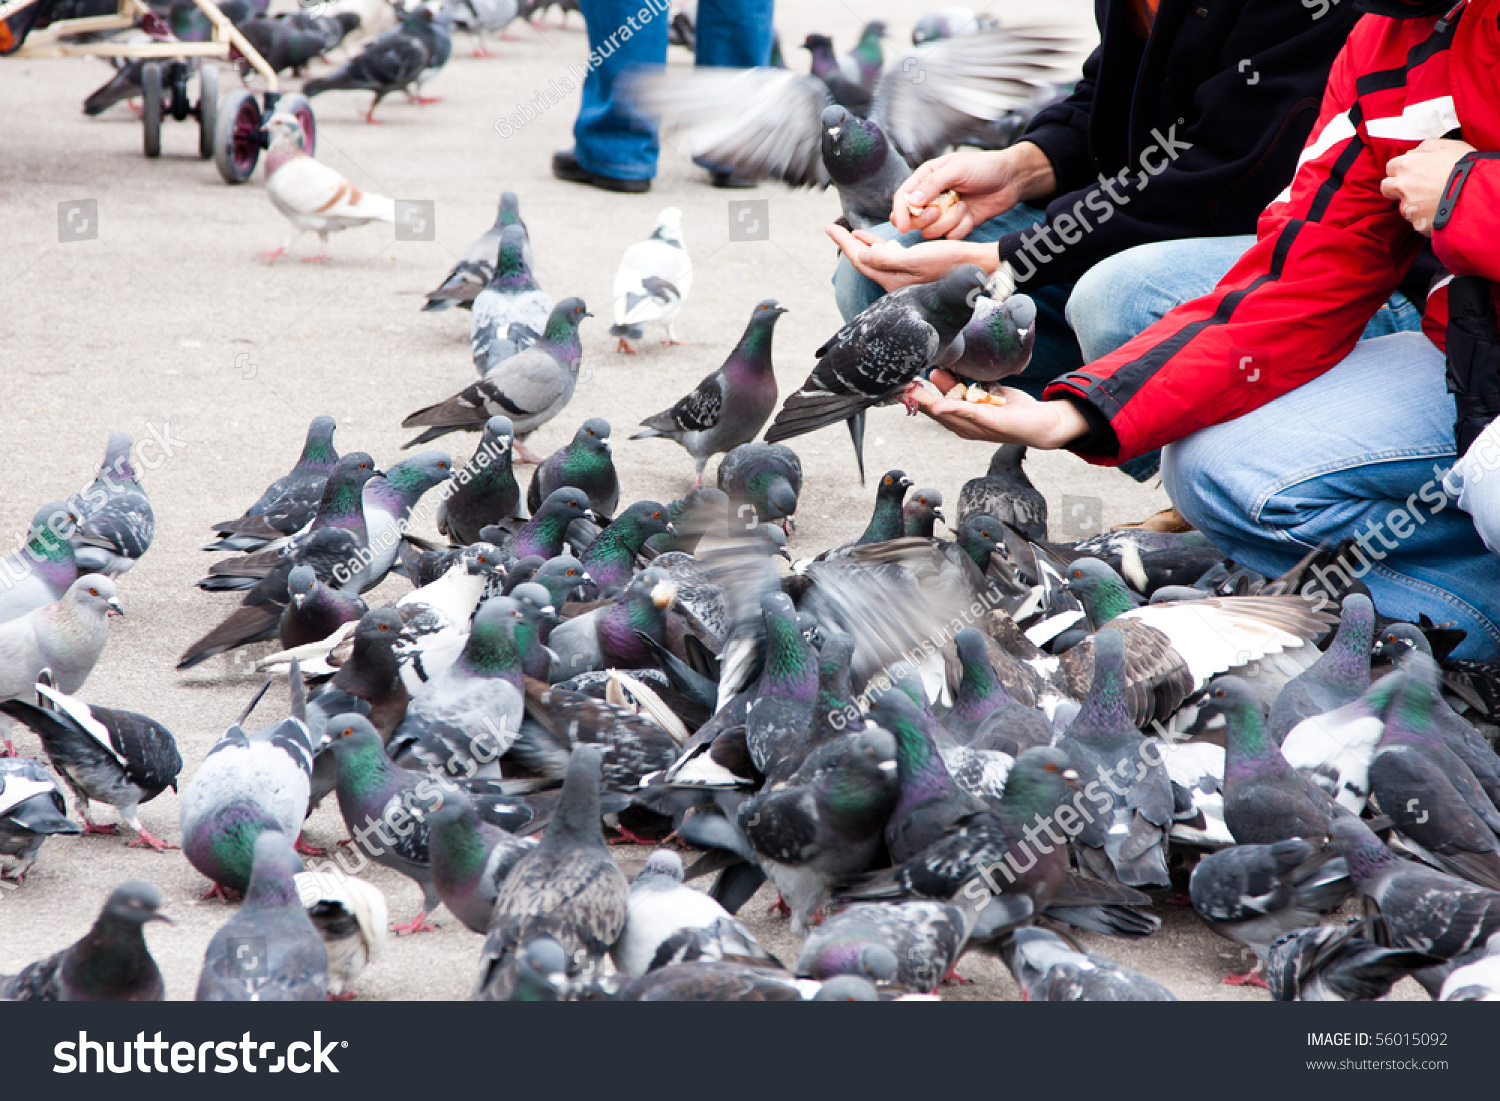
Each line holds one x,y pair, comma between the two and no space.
893,267
1416,179
987,184
1046,425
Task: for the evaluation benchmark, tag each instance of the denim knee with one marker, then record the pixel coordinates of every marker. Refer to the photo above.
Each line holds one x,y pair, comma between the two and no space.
1103,309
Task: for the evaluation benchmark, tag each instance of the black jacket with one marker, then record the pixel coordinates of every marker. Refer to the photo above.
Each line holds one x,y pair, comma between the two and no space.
1225,90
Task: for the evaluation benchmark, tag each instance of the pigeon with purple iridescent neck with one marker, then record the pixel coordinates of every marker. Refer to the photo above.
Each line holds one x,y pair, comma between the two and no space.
1337,678
485,490
474,270
545,534
982,706
41,570
470,859
586,463
388,500
922,512
314,611
608,637
930,800
610,558
290,502
511,312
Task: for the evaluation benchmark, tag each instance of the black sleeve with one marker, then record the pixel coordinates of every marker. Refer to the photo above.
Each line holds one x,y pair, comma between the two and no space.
1061,130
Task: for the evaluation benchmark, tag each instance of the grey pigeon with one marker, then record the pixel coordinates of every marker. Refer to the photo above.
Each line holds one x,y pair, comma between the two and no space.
996,343
116,522
667,922
567,888
110,964
383,807
476,267
395,60
479,16
510,313
930,799
41,570
730,406
1337,678
1128,839
607,637
924,938
877,355
470,859
485,490
288,503
387,500
1255,894
314,611
1049,969
31,810
1334,963
351,917
269,951
247,784
1006,493
922,511
531,387
117,757
1439,807
436,618
586,463
1478,981
766,477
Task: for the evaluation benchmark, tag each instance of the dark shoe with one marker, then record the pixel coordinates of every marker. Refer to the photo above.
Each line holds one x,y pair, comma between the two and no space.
732,182
565,166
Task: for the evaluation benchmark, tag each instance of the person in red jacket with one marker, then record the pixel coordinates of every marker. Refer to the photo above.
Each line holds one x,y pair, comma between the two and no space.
1282,431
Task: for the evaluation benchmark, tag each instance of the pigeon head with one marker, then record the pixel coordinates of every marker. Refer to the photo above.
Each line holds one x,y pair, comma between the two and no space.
1007,459
835,659
1040,781
1035,952
353,739
273,870
663,869
451,807
566,503
53,525
491,649
535,603
378,626
656,586
930,28
875,749
541,971
562,322
951,300
565,579
286,134
577,816
300,584
116,465
894,483
669,226
642,520
877,963
342,494
593,435
854,149
481,558
1100,590
754,348
847,988
497,440
1365,852
414,476
1106,711
521,570
874,31
1245,736
317,449
510,209
979,537
511,271
134,903
922,510
1400,640
821,48
1409,712
998,340
94,593
979,691
791,667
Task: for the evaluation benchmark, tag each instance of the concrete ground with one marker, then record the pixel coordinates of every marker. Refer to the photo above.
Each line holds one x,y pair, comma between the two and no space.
168,325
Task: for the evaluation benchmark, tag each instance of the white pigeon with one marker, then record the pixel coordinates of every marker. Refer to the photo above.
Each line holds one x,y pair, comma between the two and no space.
351,916
438,615
312,196
1478,981
1334,750
652,282
666,915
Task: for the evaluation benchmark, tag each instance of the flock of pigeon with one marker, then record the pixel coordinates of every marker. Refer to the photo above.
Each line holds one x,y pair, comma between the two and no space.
927,745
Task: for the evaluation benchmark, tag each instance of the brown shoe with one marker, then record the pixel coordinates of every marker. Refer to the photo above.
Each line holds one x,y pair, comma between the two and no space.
1167,520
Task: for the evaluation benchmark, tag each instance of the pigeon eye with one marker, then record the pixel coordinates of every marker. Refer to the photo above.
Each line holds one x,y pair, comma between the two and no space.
348,730
1051,768
385,627
1077,573
94,592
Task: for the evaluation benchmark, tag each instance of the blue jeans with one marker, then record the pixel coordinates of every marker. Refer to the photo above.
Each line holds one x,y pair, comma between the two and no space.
1360,451
608,140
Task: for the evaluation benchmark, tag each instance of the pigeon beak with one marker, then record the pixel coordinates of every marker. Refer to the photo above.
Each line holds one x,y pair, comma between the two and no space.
1070,777
114,608
940,517
162,918
606,445
1021,333
299,599
888,767
671,528
590,514
834,131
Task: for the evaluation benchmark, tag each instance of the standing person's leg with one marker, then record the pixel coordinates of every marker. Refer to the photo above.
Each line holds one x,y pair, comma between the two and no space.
1055,352
734,34
611,149
1359,453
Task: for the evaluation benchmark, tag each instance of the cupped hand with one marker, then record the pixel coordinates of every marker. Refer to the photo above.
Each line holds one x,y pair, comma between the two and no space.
1046,425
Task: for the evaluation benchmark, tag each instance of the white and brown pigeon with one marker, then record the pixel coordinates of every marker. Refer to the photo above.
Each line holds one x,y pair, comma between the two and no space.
312,196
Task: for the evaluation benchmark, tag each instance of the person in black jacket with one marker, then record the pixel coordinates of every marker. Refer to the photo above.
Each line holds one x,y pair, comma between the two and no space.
1187,122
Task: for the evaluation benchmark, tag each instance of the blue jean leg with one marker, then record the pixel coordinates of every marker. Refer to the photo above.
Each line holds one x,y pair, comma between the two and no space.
1124,295
607,140
735,34
1357,452
1056,351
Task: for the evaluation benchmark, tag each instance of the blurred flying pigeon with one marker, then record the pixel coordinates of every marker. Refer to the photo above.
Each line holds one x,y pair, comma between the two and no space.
652,283
511,312
730,406
950,23
350,915
110,964
309,194
767,477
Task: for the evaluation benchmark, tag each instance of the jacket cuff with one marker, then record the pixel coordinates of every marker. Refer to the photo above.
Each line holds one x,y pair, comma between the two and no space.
1067,149
1101,441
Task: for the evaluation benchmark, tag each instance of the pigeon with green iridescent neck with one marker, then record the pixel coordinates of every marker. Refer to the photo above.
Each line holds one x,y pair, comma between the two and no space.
1337,678
110,964
476,267
996,343
586,463
730,406
292,964
1420,907
467,716
470,859
922,512
835,712
1440,809
436,617
485,490
568,888
825,821
545,534
384,807
531,387
778,719
863,63
248,783
388,501
887,521
1265,799
607,637
116,522
538,616
982,708
610,558
511,312
930,800
1006,493
1126,839
290,502
45,565
765,476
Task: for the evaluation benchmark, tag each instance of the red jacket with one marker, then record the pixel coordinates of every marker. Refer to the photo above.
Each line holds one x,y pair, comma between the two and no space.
1329,250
